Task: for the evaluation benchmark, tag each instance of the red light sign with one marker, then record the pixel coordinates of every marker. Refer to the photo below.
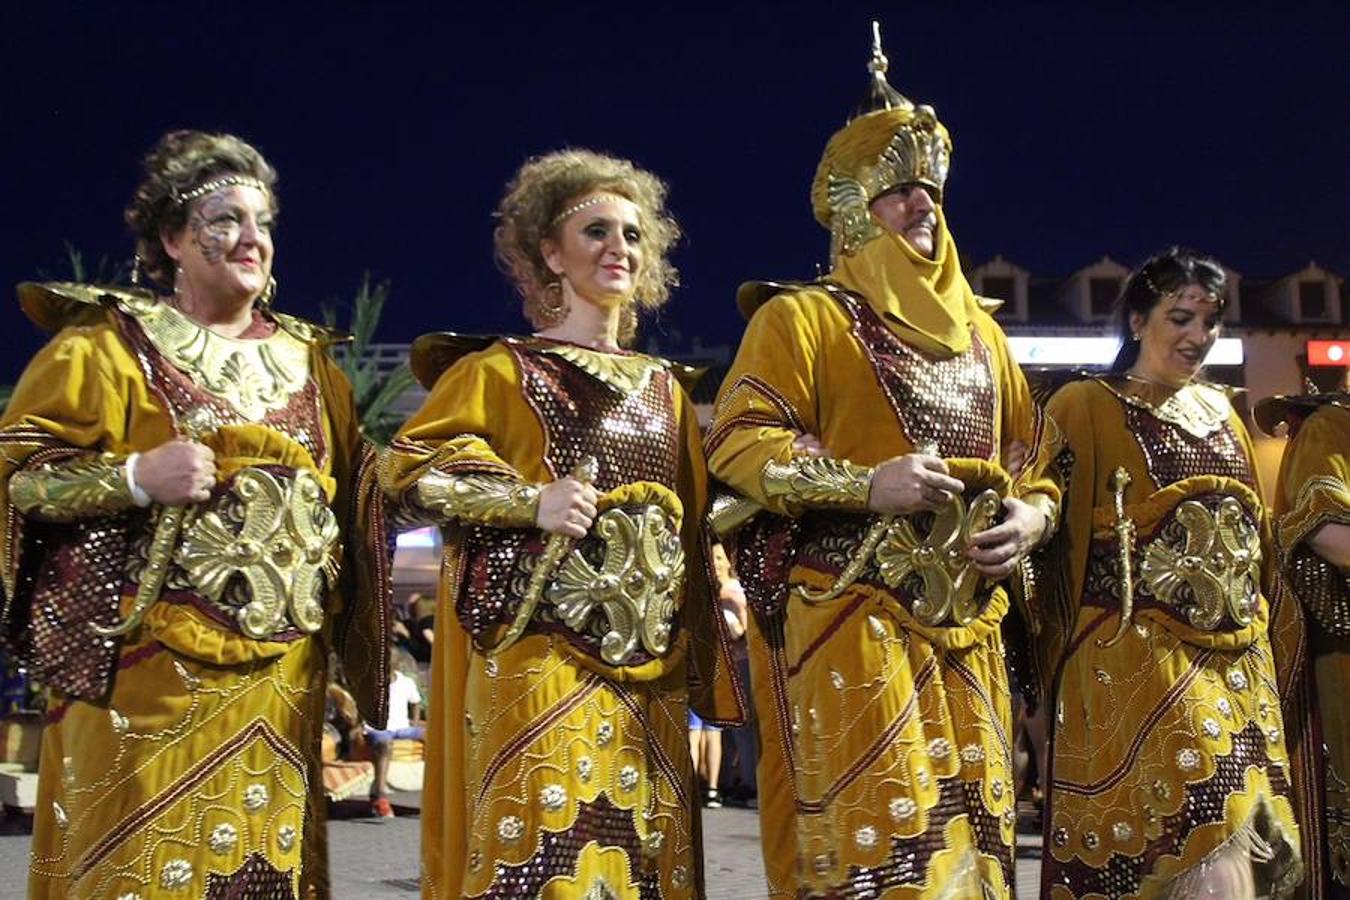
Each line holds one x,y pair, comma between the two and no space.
1329,353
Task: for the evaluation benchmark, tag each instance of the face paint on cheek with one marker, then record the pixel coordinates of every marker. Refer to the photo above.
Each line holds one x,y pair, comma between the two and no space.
213,231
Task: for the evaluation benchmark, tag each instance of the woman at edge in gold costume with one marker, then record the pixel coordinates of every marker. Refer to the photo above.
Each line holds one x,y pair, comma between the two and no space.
179,480
1312,531
579,620
875,575
1169,775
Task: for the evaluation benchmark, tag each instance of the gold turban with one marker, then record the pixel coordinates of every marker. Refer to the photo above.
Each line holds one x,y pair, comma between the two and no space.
889,141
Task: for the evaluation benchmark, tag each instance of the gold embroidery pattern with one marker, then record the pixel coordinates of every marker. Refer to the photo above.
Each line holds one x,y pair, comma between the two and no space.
253,377
625,373
199,810
279,540
1198,409
1215,569
616,751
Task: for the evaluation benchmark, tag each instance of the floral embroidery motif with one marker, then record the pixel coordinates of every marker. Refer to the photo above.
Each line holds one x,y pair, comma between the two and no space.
865,837
223,838
255,797
1188,759
903,808
628,778
176,874
553,797
286,838
510,828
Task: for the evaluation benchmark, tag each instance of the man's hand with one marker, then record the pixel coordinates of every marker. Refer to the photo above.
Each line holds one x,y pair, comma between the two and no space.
997,550
176,472
567,507
911,483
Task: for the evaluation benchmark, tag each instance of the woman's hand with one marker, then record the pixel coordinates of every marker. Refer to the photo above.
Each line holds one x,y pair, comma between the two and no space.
567,507
911,483
808,445
997,550
177,472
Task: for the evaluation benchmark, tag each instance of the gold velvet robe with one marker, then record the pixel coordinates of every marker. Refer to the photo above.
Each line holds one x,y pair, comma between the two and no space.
182,759
1314,490
1167,743
551,772
886,761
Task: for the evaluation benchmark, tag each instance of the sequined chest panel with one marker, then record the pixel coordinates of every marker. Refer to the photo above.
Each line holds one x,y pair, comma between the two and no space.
296,414
1174,453
632,433
947,403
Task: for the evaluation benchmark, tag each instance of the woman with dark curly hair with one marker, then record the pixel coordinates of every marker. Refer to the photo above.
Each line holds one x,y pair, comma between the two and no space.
179,462
578,623
1169,775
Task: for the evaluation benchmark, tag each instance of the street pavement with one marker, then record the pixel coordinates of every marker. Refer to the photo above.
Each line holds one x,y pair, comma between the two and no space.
376,859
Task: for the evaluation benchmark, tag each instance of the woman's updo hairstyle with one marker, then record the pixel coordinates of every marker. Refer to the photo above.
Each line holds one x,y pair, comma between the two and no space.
1160,275
545,187
179,162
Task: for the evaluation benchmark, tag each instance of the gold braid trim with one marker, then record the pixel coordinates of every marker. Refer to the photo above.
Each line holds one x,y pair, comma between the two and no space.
83,488
478,498
1321,500
812,481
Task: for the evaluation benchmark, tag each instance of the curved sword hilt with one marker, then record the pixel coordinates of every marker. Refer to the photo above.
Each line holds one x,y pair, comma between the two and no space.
555,548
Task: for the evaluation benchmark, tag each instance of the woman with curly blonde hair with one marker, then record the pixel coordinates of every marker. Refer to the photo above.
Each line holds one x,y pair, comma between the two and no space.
567,476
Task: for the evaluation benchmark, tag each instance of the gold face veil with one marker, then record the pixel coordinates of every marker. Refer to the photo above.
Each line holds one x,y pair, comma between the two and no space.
888,141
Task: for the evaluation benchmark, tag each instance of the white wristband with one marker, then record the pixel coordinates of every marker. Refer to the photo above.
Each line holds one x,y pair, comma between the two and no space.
138,494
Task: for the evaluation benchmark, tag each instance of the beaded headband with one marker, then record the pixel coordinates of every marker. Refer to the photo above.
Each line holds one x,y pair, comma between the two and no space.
1162,295
578,207
216,184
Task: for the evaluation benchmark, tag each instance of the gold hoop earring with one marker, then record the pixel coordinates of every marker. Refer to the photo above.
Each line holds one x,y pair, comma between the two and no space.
269,292
552,303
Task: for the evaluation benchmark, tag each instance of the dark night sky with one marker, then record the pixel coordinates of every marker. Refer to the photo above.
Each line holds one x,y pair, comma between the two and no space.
1079,130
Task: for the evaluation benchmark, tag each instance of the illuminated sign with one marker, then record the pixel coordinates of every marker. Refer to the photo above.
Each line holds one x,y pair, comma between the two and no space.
1100,351
1329,353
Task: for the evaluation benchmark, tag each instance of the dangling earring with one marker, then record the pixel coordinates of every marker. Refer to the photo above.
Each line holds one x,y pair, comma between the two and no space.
178,277
136,263
1134,336
552,304
269,292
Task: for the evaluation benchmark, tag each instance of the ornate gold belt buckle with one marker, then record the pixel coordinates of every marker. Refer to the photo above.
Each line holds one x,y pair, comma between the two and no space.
635,584
1212,568
275,534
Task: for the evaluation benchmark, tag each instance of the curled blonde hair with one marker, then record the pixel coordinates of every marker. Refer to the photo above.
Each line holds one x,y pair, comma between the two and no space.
543,188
